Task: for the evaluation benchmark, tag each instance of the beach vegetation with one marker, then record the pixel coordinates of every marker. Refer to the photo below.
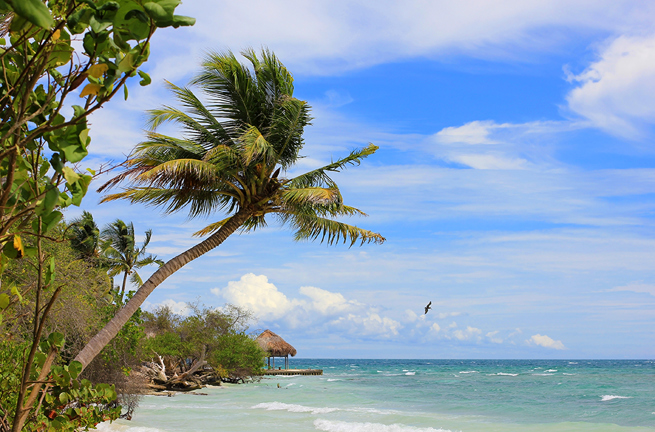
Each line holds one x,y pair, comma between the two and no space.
218,339
52,54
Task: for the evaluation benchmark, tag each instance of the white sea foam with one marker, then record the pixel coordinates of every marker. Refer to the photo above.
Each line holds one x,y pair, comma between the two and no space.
551,370
543,374
290,384
568,373
114,427
341,426
506,374
573,362
334,379
606,398
410,373
468,372
280,406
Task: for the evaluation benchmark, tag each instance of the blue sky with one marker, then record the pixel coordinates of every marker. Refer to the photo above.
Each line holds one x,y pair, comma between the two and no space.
514,181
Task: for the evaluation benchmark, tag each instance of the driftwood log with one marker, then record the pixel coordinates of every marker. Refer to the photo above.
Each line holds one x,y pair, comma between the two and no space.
163,379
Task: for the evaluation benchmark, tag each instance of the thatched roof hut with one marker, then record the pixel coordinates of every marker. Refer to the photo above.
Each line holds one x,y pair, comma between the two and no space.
274,345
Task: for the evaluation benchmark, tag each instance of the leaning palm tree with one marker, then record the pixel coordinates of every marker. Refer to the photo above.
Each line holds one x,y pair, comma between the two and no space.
121,254
230,160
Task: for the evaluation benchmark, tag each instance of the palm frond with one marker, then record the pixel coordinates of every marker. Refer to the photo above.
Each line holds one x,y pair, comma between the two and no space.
211,228
255,148
287,126
232,90
198,202
310,196
331,231
135,279
319,177
181,173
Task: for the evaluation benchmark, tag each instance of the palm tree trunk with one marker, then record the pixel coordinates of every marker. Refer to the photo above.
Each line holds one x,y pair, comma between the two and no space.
111,329
123,288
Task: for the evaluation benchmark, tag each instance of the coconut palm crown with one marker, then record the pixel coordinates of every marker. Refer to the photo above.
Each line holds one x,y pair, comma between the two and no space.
234,147
121,254
233,152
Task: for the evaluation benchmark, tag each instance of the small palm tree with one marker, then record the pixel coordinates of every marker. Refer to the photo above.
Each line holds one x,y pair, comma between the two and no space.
230,160
121,254
84,236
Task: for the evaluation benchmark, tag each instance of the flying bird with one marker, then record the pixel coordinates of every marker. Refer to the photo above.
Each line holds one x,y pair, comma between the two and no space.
427,308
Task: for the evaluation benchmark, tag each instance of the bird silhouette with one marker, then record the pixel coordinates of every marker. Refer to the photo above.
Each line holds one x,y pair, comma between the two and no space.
427,308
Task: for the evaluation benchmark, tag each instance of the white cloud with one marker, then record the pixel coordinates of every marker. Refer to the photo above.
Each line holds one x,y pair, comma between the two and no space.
178,307
411,316
435,328
493,339
443,315
489,161
467,334
617,92
546,342
475,132
325,308
637,287
371,324
258,295
328,36
326,302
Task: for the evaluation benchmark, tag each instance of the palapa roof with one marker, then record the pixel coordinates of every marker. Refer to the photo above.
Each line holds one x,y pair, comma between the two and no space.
274,345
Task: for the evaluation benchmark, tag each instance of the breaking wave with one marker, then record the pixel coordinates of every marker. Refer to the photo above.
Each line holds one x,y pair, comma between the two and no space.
341,426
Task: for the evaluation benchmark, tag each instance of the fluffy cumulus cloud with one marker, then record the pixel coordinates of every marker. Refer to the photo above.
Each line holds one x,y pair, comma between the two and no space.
616,93
546,342
318,308
258,295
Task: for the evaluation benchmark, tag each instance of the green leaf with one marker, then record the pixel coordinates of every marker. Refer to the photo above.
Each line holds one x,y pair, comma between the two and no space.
4,301
125,91
30,251
14,291
35,12
51,220
158,12
56,339
60,55
70,175
14,247
55,161
75,368
126,65
64,398
48,202
145,78
50,271
182,21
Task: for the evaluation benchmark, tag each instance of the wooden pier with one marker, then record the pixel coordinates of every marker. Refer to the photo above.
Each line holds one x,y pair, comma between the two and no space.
293,371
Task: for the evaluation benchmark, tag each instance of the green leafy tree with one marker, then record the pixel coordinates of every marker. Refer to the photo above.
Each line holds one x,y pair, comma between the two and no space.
121,254
230,160
220,334
239,355
43,134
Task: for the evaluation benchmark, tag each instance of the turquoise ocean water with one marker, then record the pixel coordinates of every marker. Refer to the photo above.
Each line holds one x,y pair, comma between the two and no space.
419,396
